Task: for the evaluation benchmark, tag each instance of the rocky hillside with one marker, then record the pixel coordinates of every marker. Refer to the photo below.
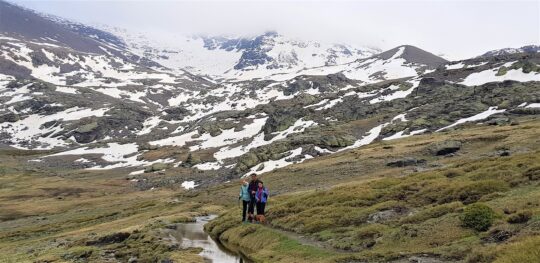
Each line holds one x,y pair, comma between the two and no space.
508,51
467,195
108,107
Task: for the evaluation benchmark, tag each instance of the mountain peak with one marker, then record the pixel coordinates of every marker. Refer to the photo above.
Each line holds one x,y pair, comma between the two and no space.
20,22
271,33
413,54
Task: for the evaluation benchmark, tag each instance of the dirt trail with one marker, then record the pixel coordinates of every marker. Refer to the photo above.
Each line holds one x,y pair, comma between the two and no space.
306,240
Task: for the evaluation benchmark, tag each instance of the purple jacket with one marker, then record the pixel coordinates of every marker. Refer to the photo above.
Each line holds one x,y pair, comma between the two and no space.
263,195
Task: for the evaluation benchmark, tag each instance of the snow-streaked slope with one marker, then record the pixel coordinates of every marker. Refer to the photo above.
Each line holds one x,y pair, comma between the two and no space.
180,52
477,117
241,58
122,155
510,51
63,66
400,62
492,75
32,129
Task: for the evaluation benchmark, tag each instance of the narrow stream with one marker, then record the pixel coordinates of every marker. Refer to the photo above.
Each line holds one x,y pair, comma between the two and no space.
193,235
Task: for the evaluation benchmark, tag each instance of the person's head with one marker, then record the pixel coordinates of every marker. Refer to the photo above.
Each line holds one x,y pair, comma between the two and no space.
243,182
260,184
253,177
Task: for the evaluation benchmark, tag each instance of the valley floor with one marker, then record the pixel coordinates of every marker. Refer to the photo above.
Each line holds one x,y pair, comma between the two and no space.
391,201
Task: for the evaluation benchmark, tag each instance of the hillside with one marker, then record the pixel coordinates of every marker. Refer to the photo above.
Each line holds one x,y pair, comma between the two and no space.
399,202
360,204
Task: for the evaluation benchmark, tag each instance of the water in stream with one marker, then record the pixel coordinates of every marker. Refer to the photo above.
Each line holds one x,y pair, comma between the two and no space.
193,235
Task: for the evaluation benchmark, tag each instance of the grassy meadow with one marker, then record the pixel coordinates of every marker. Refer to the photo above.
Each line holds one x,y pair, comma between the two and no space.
349,206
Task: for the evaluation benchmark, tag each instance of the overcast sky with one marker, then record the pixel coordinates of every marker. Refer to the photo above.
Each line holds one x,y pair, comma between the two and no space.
458,28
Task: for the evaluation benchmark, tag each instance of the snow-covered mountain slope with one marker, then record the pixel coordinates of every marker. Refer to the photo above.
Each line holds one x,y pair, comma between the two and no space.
272,56
276,124
107,110
46,30
64,66
241,58
399,62
521,67
19,22
510,51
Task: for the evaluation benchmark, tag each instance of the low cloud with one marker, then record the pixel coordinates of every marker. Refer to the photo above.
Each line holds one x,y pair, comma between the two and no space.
458,29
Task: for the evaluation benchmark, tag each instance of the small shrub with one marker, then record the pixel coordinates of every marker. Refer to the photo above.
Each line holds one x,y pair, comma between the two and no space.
318,225
480,256
451,173
520,217
533,173
529,67
502,71
370,231
478,216
472,167
474,191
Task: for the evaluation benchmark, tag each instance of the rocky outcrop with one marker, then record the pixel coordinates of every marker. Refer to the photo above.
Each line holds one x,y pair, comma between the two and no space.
408,161
109,239
87,133
9,117
445,147
155,167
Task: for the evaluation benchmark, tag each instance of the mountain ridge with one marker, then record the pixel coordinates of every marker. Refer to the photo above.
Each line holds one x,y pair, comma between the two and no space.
508,51
32,25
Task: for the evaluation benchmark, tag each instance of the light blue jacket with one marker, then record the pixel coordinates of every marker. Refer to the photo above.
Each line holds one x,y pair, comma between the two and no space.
244,193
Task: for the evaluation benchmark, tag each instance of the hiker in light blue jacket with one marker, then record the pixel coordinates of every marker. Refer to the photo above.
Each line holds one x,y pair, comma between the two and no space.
245,198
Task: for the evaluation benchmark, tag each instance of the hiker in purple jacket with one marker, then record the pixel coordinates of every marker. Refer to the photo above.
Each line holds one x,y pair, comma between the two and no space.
261,196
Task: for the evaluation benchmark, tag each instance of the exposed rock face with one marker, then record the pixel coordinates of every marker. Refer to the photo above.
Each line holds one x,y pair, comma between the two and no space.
9,117
155,167
386,215
176,113
87,133
109,239
408,161
498,236
444,148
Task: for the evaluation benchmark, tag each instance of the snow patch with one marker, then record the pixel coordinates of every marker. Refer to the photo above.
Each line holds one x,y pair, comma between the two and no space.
275,164
486,76
480,116
455,66
29,130
66,90
189,185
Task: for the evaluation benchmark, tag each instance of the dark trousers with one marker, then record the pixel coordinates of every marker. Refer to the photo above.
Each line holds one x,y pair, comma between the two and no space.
260,208
251,208
245,205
